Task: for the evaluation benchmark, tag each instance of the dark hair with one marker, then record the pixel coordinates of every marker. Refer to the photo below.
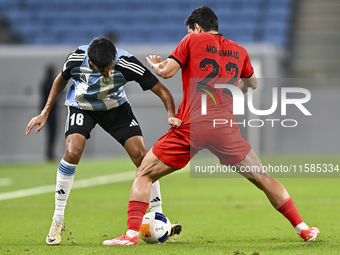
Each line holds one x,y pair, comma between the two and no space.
101,52
203,16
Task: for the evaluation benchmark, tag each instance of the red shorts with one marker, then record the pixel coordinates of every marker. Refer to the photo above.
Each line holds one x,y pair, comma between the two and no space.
178,146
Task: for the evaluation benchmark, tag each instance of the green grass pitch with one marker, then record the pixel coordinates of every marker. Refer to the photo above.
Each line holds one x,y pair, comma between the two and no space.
219,216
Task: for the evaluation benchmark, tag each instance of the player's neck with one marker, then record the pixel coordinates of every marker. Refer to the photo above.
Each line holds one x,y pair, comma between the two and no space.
212,32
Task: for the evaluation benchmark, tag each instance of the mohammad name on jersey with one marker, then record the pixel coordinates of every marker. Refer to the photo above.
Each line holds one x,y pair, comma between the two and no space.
91,91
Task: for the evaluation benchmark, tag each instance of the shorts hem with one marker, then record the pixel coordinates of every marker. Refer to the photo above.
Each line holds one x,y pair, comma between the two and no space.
129,135
237,161
167,162
81,132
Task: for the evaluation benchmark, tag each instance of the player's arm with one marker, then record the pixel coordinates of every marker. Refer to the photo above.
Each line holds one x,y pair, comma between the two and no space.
160,90
40,120
165,69
245,83
133,69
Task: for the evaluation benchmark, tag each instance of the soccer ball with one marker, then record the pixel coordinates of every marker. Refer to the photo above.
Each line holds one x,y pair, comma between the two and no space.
155,228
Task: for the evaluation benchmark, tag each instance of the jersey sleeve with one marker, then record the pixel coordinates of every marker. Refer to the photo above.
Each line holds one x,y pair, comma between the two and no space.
248,69
134,70
74,59
181,53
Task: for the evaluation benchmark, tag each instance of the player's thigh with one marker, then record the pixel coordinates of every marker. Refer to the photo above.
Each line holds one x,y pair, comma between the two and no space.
251,167
153,168
135,147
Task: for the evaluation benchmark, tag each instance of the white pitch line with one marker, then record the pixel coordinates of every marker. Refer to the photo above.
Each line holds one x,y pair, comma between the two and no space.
85,183
5,182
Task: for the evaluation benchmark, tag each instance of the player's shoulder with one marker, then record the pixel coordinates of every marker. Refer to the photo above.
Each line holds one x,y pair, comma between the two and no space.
128,64
78,53
236,45
122,53
83,48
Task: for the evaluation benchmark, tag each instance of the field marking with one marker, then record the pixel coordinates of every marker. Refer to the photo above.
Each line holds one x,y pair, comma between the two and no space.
84,183
5,182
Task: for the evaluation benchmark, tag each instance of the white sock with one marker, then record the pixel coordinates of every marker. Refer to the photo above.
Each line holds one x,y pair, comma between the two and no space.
65,177
300,227
155,198
131,233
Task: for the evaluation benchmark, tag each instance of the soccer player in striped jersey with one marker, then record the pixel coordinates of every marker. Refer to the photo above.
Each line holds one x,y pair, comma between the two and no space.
96,96
206,58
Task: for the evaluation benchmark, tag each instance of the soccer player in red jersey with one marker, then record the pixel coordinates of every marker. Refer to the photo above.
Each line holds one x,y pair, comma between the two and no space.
205,57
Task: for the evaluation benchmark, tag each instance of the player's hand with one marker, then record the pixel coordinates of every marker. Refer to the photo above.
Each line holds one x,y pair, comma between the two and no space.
153,59
39,120
174,122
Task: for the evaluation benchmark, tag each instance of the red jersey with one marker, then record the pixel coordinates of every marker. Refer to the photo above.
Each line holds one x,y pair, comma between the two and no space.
208,59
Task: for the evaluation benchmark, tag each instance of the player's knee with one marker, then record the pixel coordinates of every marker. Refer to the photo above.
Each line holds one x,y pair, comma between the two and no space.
146,172
73,155
137,157
144,176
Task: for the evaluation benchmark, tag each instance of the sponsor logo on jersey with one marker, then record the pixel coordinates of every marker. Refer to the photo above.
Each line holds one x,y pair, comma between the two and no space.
107,80
83,78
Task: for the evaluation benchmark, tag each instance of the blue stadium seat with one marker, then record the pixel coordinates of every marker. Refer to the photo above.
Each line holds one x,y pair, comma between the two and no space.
6,5
286,4
143,21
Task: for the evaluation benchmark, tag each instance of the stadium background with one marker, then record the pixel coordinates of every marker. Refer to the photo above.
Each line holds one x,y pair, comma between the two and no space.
285,39
290,42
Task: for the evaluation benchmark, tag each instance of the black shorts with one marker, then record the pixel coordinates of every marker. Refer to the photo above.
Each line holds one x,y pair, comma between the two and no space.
119,122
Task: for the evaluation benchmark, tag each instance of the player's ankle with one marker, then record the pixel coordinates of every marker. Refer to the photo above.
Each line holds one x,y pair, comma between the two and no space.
300,227
131,233
157,208
58,217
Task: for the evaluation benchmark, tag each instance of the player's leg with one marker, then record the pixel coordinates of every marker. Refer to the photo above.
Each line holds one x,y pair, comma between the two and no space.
170,153
150,170
76,134
274,190
122,124
75,144
136,149
277,195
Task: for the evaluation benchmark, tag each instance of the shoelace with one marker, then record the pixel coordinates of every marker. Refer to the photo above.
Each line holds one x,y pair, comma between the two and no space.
55,226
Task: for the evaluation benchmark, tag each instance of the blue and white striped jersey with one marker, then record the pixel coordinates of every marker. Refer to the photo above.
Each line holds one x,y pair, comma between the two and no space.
91,91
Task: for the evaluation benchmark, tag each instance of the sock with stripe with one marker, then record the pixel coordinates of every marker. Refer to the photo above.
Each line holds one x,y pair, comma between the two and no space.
136,211
288,209
155,198
65,177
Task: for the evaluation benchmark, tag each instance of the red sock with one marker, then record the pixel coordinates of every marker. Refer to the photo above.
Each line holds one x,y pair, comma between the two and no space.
288,209
136,211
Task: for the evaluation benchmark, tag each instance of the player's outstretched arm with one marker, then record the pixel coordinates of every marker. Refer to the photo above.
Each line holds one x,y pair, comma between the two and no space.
165,69
58,85
160,90
245,83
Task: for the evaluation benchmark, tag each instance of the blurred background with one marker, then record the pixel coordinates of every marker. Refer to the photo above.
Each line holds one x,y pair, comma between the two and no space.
290,43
